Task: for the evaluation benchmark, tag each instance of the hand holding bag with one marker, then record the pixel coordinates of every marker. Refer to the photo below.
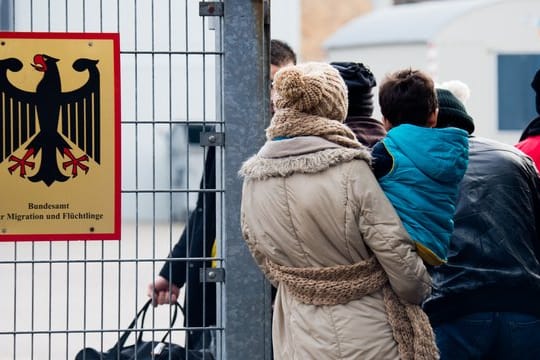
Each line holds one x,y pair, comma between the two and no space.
143,350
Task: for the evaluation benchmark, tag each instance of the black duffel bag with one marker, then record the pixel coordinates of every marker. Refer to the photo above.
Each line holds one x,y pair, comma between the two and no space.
145,350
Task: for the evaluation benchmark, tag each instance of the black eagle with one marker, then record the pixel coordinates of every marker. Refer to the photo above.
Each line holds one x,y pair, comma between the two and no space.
47,118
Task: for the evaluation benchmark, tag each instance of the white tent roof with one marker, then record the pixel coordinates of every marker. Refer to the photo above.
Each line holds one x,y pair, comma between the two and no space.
409,23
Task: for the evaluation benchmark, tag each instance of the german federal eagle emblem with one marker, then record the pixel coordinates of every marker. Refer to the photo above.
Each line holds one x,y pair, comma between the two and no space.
53,133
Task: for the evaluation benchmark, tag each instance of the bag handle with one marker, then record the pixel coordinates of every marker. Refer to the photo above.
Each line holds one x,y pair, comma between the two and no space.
121,342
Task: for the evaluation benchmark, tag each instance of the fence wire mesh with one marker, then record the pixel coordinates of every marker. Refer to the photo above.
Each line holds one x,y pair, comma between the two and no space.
61,296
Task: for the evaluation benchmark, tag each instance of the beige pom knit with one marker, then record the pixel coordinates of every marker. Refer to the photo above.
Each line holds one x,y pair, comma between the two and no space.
312,88
292,123
311,100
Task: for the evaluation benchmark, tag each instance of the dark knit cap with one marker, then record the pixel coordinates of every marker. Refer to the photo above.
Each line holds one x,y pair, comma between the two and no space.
452,112
535,84
533,128
360,81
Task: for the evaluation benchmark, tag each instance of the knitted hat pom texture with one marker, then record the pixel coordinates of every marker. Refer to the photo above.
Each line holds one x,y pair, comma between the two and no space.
458,88
312,88
451,96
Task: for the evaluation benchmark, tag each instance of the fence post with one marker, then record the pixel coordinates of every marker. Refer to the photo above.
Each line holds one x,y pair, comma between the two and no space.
246,39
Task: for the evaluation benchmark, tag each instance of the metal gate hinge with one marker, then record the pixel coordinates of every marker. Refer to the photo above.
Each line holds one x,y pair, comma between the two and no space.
210,8
212,275
212,139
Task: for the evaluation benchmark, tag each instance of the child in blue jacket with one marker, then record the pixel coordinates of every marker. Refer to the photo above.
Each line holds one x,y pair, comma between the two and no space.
419,167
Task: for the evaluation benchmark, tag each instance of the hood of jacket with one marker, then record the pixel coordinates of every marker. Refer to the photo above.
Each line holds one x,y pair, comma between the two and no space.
302,154
447,148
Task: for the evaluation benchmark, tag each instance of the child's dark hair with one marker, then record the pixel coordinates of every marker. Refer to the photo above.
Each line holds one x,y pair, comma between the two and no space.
281,53
407,97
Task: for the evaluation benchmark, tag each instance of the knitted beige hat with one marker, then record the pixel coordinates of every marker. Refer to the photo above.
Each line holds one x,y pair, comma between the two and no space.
312,88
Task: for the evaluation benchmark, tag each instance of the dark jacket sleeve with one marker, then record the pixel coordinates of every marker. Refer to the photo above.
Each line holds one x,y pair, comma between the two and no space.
535,193
199,234
382,160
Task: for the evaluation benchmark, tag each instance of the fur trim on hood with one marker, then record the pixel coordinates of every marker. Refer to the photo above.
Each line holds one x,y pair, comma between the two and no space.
326,154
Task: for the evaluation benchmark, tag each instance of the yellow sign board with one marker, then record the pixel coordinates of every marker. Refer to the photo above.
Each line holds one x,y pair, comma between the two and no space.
59,136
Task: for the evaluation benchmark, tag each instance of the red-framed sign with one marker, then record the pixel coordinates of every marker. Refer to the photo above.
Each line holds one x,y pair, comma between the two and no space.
59,136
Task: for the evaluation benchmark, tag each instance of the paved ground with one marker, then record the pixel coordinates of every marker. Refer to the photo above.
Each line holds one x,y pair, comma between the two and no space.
56,308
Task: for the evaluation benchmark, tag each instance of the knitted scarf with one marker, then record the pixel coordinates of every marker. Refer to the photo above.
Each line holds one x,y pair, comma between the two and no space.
343,283
292,123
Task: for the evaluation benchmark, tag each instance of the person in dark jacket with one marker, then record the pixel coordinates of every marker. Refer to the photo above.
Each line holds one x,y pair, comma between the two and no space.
485,302
529,142
198,241
360,83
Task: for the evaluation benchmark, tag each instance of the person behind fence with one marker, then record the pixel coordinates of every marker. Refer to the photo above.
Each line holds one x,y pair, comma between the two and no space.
198,241
281,55
529,142
360,82
485,299
418,167
317,223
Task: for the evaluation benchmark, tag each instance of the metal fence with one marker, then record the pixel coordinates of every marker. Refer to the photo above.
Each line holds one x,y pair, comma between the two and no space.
187,67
